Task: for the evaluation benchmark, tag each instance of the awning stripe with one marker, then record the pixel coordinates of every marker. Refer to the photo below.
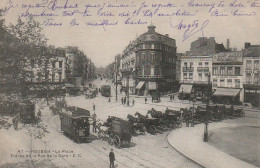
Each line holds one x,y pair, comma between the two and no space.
226,92
140,85
185,89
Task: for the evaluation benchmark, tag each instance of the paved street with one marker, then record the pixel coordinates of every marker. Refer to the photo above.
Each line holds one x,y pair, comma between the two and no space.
146,151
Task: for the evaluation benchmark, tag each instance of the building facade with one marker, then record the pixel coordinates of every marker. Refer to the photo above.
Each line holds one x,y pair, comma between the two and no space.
251,74
155,62
227,77
195,72
196,66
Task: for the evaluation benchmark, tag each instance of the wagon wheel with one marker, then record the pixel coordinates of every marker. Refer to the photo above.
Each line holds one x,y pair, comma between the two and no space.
117,141
109,140
160,128
152,129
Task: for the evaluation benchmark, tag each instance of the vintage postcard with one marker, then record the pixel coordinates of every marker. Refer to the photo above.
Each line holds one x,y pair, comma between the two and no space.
129,83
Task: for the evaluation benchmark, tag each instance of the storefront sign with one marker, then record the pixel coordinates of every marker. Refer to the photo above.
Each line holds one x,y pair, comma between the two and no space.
229,57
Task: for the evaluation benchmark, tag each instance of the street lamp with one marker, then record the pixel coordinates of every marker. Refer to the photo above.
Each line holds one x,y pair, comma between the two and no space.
205,138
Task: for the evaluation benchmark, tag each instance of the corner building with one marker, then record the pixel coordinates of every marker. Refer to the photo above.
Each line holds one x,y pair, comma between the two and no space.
155,62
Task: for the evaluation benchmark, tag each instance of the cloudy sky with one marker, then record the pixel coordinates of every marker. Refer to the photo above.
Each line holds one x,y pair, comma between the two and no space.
79,23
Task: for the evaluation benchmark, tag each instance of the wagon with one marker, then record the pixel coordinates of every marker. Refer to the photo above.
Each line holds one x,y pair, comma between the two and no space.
75,123
172,118
118,132
151,124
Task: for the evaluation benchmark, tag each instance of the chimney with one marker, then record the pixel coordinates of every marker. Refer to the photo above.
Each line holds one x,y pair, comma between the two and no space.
228,44
247,45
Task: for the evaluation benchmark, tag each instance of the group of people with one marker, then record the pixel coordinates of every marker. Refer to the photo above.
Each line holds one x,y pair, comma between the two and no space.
124,101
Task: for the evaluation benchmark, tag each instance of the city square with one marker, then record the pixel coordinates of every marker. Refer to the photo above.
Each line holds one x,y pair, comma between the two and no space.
129,84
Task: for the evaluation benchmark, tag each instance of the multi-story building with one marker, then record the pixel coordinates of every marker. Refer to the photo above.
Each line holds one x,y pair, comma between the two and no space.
128,64
155,62
227,77
196,65
251,74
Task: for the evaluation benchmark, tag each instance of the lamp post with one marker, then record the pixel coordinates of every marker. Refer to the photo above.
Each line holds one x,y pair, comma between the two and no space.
205,138
116,75
127,74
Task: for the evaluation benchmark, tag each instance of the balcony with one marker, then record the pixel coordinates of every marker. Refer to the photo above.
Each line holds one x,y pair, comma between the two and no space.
203,69
150,76
190,81
187,69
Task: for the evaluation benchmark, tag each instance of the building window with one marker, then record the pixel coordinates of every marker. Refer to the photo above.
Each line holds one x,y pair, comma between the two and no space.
185,65
200,64
191,75
206,63
248,64
237,71
148,46
215,70
200,76
206,76
237,83
191,64
229,70
222,70
152,46
215,82
248,78
222,82
256,78
256,65
60,64
229,82
184,76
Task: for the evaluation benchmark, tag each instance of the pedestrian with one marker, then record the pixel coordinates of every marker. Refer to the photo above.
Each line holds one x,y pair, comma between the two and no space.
170,97
109,100
94,117
145,100
112,159
122,100
133,102
94,107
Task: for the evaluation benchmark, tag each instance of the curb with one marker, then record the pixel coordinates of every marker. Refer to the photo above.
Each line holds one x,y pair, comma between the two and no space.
183,154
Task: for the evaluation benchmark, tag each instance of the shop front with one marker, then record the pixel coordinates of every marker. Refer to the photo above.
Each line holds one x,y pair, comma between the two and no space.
226,96
252,94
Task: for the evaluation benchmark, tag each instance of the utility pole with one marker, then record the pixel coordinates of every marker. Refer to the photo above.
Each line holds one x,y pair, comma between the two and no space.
116,75
205,139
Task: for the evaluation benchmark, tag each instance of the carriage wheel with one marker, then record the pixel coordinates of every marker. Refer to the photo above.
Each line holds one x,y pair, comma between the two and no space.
152,129
110,141
117,141
160,128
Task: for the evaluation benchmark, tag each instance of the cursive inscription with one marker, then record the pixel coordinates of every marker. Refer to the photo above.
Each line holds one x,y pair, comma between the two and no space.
190,29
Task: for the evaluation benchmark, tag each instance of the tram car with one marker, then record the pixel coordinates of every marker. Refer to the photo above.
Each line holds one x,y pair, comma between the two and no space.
75,123
105,90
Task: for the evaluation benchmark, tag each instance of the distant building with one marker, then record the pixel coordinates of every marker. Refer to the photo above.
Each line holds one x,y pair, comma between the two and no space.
227,77
128,62
196,65
251,74
155,62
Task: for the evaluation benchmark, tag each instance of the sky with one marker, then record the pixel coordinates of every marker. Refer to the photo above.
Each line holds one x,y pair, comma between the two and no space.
186,21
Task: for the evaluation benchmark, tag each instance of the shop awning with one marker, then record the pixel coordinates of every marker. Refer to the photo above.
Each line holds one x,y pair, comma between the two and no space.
140,85
185,89
68,85
226,92
152,85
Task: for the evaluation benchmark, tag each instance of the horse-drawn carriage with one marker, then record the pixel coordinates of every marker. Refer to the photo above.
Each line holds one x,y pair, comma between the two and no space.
116,131
58,105
151,124
138,127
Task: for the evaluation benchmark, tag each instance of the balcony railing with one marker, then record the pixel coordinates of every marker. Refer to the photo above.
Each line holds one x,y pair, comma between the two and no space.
203,69
190,81
187,69
150,76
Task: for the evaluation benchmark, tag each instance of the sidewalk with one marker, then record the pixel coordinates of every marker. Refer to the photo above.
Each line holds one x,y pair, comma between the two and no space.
189,142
